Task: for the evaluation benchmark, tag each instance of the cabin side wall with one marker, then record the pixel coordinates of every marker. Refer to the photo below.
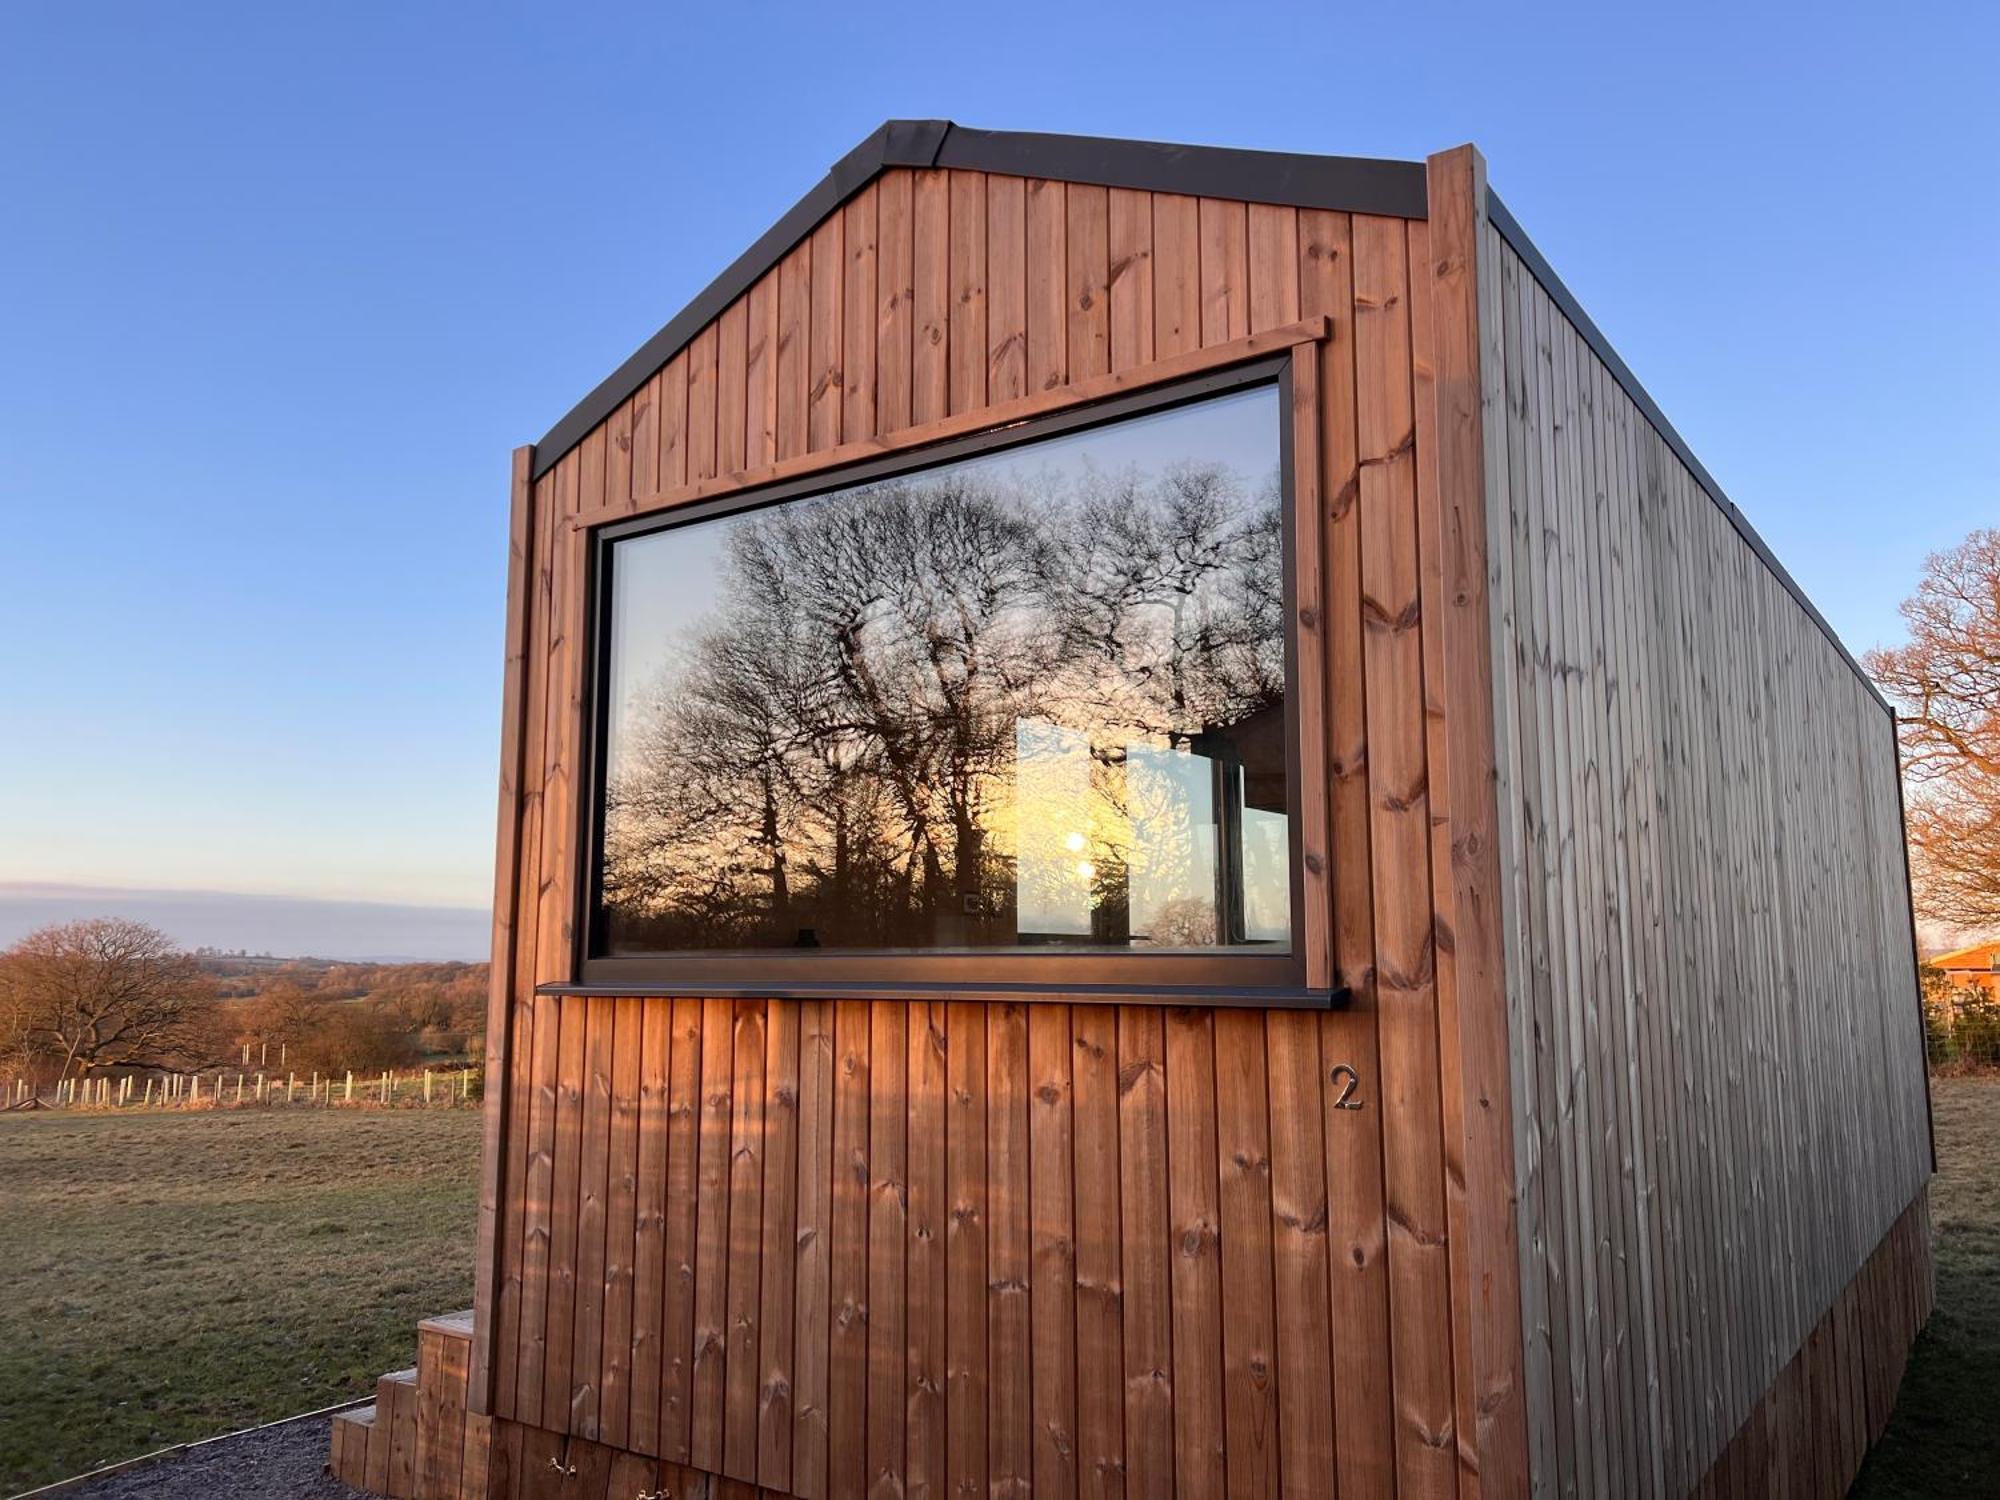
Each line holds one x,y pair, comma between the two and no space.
825,1246
1717,1060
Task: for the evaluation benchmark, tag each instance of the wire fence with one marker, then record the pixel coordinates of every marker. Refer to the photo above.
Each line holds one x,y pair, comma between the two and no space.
389,1088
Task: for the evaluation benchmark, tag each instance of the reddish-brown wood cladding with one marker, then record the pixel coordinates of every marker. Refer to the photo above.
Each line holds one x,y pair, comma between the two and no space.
1090,1156
889,1247
1002,1063
1806,1436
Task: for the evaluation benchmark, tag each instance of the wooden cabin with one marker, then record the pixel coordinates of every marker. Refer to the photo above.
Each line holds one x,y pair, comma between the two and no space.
1157,838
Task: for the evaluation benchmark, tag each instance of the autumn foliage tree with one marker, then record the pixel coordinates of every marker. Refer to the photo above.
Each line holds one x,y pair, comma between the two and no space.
1945,683
358,1035
102,991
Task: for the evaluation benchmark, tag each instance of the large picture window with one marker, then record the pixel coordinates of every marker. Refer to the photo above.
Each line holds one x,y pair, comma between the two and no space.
960,720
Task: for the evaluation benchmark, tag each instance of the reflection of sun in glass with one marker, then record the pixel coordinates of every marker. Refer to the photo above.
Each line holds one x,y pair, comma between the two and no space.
1018,700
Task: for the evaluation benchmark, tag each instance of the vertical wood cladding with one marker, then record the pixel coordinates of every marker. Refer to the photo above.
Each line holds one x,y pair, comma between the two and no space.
1716,1046
889,1247
1032,1247
1806,1437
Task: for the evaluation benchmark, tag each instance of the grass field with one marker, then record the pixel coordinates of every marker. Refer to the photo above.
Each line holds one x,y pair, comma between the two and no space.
170,1276
166,1276
1944,1438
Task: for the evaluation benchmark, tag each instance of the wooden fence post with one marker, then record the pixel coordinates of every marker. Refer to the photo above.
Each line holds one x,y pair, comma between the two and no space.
350,1085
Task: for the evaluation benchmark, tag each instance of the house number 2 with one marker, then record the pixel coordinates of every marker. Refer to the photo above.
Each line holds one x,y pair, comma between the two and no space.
1346,1081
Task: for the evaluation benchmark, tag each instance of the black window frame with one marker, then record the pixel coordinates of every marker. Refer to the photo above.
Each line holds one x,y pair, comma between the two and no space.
1222,976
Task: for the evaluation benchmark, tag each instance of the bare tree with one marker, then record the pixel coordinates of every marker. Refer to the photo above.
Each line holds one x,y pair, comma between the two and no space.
102,991
1945,682
837,744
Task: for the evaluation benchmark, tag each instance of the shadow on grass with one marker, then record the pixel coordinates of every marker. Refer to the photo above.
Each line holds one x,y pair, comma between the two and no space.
1944,1438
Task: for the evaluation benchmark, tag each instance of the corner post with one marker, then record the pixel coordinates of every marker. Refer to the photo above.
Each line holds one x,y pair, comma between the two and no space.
1474,1050
487,1292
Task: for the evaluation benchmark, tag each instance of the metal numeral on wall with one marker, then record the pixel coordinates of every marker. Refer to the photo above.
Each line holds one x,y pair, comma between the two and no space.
1347,1081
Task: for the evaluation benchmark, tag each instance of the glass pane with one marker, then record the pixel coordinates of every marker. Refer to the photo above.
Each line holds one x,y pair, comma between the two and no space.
1035,698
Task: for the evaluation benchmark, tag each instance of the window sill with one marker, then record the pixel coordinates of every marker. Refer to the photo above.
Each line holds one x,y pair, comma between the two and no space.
1251,997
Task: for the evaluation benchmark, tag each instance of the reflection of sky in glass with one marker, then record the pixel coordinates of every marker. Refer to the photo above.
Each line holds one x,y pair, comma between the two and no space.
682,565
1094,834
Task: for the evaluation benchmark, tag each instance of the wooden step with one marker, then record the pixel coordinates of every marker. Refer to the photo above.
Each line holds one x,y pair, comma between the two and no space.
444,1363
455,1325
396,1436
418,1442
351,1430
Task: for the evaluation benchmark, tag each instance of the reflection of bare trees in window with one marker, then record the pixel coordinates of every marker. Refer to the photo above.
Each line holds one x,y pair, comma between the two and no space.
835,754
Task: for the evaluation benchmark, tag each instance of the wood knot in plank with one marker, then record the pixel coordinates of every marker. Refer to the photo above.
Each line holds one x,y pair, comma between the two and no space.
1198,1239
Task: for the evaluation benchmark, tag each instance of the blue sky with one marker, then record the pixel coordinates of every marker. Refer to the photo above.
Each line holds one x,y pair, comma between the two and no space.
283,285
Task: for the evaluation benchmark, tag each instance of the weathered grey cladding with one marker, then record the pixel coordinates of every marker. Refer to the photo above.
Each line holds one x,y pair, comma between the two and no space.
1718,1070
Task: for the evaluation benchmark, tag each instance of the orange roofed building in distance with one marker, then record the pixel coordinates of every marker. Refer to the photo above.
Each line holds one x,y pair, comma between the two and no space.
1973,968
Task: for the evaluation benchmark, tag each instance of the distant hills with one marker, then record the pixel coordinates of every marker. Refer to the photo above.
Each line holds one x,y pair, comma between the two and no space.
286,926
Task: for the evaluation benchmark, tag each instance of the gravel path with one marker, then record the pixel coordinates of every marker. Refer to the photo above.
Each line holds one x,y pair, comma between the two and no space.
284,1462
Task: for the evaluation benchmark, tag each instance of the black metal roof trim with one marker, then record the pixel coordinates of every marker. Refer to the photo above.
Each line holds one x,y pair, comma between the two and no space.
1511,231
1356,184
1352,184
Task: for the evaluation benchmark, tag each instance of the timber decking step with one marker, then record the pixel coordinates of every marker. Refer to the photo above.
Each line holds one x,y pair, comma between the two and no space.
392,1454
417,1441
351,1431
452,1325
444,1359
